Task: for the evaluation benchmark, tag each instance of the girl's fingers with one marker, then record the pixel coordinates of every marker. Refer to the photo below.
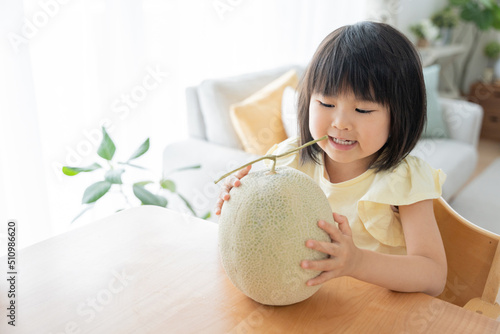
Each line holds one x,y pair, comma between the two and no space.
229,183
328,248
321,278
218,206
331,229
234,180
319,265
242,172
343,224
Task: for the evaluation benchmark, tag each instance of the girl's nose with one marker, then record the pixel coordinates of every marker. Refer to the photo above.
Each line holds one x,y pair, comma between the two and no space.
341,120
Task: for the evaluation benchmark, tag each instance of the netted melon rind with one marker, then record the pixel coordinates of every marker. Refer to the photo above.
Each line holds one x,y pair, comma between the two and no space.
262,233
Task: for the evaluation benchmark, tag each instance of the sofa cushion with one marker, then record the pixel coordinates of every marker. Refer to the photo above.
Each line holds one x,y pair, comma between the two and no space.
457,159
289,107
215,97
257,119
435,126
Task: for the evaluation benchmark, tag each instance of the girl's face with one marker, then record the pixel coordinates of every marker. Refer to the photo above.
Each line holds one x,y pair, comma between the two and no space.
356,129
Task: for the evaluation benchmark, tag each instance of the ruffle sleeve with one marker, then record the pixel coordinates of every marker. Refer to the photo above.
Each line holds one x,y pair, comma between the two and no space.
413,180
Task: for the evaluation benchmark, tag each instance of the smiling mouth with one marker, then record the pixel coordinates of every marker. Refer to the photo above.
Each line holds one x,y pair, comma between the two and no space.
343,141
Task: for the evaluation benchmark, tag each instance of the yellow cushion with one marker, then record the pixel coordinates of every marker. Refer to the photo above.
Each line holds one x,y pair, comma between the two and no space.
257,119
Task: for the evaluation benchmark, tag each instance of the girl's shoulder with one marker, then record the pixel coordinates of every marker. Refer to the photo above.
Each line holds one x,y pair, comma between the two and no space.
288,144
411,181
291,160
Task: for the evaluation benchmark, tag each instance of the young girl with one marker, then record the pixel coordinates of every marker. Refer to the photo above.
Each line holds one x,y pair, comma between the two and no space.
364,88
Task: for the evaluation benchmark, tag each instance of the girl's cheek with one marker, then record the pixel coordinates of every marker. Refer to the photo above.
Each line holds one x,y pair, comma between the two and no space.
312,125
315,124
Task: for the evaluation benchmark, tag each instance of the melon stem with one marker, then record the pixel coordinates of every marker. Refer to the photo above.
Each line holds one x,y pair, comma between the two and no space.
273,158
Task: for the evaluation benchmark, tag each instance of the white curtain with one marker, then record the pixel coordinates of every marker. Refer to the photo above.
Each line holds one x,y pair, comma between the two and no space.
72,66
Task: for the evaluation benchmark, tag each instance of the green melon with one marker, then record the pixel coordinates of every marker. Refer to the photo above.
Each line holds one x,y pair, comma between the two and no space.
262,233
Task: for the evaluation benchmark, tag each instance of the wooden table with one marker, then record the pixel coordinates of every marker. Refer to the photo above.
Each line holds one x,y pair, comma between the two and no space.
152,270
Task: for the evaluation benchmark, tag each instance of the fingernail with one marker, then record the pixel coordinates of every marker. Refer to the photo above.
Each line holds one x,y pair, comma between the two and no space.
321,223
305,264
309,244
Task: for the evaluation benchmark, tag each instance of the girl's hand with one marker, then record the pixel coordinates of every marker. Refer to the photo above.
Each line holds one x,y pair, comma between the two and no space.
230,182
343,254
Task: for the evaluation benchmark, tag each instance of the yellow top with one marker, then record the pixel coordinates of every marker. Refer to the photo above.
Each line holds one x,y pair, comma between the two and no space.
366,200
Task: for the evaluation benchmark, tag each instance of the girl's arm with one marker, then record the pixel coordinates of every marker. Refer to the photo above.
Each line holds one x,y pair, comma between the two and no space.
423,269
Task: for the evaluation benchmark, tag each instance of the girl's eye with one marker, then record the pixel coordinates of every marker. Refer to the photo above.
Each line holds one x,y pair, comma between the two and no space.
326,105
363,111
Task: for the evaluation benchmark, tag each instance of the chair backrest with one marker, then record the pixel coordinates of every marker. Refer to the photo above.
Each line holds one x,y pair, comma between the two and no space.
473,256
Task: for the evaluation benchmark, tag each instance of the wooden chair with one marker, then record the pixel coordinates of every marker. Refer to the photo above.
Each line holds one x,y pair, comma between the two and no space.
473,256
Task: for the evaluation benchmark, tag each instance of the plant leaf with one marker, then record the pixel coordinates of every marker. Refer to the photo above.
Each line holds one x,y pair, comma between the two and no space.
207,215
458,2
71,171
487,3
107,148
168,184
185,168
114,176
87,208
496,17
132,165
187,204
148,198
485,20
143,183
140,151
95,191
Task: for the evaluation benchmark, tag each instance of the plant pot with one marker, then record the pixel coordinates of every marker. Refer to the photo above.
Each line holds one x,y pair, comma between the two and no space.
445,34
422,43
488,75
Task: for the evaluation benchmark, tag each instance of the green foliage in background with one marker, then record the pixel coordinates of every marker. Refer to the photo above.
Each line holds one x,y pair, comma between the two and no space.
445,18
418,30
492,50
485,14
113,178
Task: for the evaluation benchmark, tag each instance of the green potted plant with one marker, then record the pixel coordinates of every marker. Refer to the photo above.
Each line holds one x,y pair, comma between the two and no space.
492,52
425,32
445,19
483,15
145,192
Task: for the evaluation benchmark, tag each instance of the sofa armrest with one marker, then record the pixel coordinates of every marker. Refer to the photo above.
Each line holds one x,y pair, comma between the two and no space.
463,120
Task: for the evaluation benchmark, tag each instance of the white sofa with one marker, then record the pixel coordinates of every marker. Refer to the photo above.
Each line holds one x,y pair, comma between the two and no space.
214,144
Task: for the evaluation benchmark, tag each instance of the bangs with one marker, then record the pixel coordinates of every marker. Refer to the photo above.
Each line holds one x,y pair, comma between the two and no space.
346,67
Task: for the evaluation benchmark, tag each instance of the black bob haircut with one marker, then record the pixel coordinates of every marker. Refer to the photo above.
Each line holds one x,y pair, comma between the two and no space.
377,63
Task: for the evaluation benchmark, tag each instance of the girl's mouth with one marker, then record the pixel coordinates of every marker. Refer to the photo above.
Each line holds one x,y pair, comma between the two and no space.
343,141
342,144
